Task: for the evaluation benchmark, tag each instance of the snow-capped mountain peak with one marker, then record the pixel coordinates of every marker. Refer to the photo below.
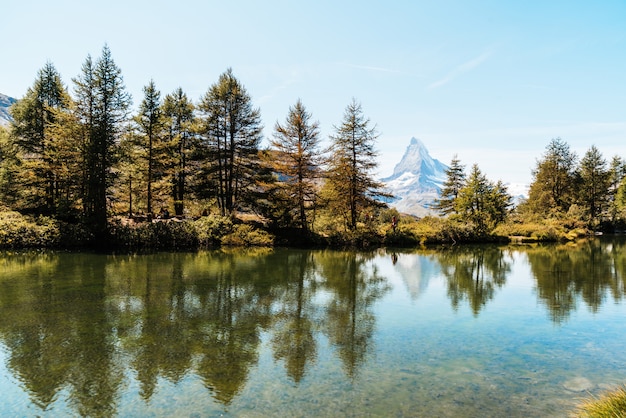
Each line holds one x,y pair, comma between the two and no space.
416,180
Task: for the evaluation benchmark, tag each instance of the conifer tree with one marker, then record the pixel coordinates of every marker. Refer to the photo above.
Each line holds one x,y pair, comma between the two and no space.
482,202
455,180
178,111
617,173
102,107
554,179
231,132
149,122
352,161
594,185
33,118
296,158
9,169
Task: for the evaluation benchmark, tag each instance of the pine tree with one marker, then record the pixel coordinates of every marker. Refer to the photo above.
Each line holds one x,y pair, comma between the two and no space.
594,186
103,110
554,179
296,158
617,173
231,130
33,119
482,202
9,170
178,111
149,122
352,161
455,180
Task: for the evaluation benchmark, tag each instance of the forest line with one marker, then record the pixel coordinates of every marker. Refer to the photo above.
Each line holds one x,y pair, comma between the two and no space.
82,158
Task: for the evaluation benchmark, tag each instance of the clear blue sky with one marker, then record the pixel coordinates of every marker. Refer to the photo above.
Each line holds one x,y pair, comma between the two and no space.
490,81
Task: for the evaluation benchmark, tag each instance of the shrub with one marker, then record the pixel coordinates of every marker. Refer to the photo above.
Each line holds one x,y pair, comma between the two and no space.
246,235
20,231
611,404
211,229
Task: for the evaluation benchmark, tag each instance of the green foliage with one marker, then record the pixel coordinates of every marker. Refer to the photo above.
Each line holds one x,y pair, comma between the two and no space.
19,231
160,235
554,179
350,185
295,159
211,229
246,235
455,180
593,192
482,203
231,131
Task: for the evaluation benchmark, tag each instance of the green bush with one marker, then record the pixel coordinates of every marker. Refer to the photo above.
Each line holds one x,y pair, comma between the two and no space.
175,235
246,235
20,231
211,229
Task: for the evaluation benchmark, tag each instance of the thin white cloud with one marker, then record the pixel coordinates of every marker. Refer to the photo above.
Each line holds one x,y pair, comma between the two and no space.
461,69
377,69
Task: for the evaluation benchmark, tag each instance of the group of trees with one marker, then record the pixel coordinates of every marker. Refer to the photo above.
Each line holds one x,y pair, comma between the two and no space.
84,156
590,189
474,199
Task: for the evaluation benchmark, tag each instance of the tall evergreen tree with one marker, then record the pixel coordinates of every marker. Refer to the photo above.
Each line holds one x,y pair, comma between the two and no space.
33,118
231,130
617,173
482,202
296,157
455,180
178,111
594,186
103,109
554,179
9,170
149,122
352,161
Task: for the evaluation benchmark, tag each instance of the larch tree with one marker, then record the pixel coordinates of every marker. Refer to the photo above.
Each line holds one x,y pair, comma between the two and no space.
455,180
178,112
482,202
617,173
102,106
295,157
593,191
150,126
231,131
352,161
554,179
33,118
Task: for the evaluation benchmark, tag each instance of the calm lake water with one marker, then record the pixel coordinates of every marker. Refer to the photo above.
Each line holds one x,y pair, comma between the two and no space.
472,331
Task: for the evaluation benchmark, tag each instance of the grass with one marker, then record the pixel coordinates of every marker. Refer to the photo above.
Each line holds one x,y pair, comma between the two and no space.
609,405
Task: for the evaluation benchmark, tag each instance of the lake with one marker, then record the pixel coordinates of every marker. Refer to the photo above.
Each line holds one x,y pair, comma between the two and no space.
468,331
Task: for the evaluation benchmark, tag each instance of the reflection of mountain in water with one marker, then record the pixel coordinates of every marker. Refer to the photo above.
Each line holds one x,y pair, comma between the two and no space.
416,272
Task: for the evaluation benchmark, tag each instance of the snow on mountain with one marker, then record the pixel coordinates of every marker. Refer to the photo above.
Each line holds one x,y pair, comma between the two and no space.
5,103
416,180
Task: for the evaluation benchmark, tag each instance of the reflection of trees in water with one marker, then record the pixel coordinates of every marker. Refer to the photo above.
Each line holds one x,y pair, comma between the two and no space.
56,327
473,273
294,340
589,270
356,285
80,320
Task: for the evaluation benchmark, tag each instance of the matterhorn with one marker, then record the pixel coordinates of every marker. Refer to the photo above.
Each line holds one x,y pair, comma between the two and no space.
416,181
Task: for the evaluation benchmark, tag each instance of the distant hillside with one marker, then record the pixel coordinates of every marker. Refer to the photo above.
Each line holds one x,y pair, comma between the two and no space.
5,103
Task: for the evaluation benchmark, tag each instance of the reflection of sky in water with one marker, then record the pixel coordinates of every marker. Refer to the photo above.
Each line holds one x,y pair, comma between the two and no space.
423,358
